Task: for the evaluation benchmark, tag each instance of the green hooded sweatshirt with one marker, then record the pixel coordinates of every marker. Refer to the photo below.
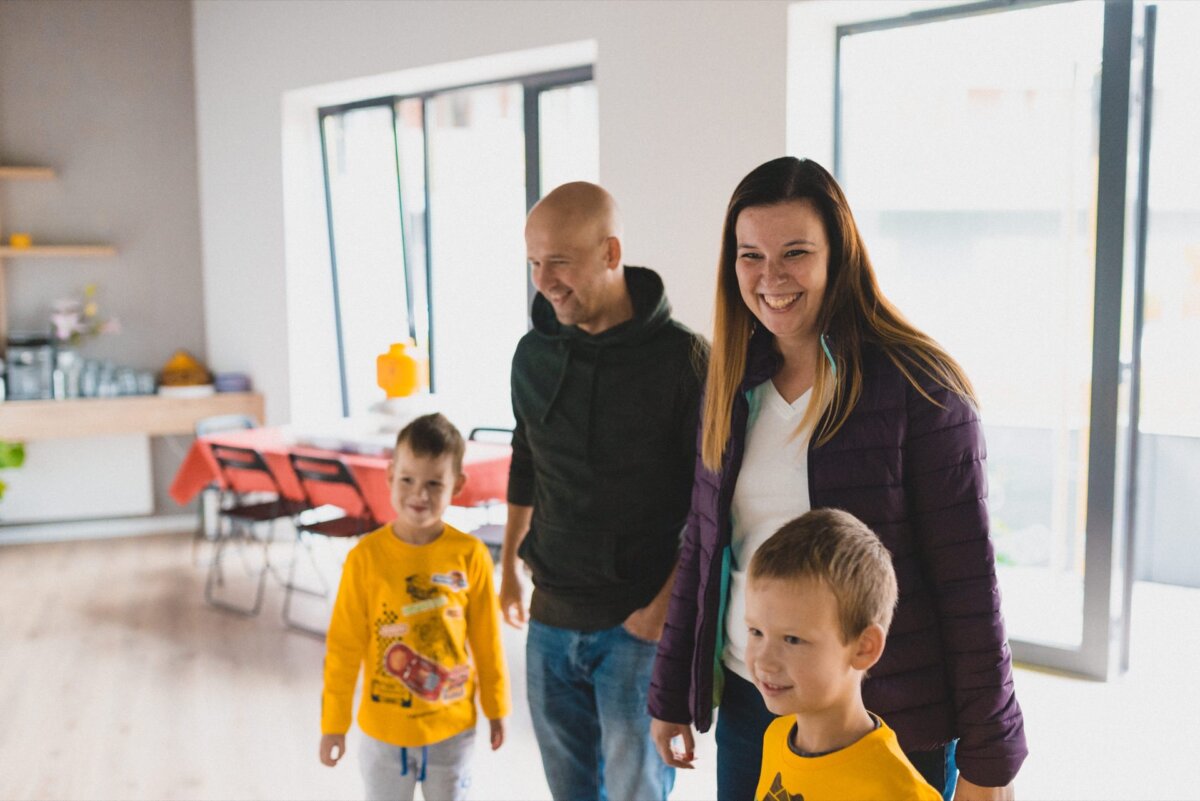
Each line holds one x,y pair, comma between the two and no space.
604,451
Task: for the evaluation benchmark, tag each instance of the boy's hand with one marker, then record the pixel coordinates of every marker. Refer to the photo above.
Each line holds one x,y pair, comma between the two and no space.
329,744
496,732
662,733
966,791
512,599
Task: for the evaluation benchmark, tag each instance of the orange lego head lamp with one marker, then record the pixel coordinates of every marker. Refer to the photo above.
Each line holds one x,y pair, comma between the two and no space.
403,370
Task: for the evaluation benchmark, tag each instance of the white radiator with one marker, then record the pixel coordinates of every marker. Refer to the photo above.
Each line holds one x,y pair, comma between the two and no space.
70,479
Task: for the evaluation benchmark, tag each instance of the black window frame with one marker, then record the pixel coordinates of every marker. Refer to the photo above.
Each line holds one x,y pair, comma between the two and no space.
532,84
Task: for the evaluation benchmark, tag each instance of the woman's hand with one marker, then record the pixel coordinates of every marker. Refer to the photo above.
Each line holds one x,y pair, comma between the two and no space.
973,792
662,733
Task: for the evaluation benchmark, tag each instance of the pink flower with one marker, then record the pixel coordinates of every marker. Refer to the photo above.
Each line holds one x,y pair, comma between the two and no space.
66,324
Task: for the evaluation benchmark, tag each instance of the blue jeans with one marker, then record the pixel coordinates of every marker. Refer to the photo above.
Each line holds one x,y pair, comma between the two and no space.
587,697
742,719
938,767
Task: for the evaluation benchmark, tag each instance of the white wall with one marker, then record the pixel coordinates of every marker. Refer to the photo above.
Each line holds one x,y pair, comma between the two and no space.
692,96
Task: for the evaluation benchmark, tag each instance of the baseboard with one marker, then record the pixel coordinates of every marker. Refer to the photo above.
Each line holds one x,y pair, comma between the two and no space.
66,531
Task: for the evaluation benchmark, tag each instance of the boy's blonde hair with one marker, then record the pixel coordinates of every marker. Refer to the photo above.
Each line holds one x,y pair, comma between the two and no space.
434,435
837,548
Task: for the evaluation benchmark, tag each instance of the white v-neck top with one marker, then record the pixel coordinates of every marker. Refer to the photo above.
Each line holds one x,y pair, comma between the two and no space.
772,489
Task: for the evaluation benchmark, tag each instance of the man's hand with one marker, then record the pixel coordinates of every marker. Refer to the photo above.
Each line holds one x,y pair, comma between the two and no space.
973,792
329,744
496,732
512,599
512,593
647,623
662,733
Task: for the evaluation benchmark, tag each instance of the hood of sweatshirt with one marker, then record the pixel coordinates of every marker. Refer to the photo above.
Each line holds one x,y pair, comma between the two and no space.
651,311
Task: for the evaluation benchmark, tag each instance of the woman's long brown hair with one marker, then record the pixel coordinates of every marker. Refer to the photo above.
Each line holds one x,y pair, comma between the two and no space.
853,313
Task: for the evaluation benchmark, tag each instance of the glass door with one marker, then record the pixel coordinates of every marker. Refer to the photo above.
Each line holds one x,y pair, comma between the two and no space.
980,155
1163,505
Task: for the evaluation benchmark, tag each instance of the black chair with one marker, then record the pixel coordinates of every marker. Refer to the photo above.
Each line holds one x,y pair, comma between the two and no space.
204,427
337,522
240,516
492,534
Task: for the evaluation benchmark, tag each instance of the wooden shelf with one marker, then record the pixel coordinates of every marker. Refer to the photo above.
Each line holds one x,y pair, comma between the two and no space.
58,251
26,173
30,173
153,415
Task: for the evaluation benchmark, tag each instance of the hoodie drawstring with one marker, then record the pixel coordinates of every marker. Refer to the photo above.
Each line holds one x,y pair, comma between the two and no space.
562,379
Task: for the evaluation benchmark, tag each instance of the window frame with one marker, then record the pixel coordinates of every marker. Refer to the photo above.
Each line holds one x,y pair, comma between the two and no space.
1111,476
532,84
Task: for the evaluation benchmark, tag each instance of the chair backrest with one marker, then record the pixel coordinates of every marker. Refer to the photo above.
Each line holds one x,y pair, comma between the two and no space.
223,422
231,458
503,434
326,471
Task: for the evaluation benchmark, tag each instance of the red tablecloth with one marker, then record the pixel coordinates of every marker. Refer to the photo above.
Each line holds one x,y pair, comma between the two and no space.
485,463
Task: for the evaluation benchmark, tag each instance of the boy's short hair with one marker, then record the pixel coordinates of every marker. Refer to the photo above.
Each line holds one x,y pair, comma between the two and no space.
837,548
433,435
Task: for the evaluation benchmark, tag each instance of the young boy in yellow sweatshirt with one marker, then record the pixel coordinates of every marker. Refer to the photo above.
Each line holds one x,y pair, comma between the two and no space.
417,611
819,601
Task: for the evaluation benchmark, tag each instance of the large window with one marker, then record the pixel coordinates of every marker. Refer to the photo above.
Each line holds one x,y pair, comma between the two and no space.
426,200
978,208
1168,506
992,155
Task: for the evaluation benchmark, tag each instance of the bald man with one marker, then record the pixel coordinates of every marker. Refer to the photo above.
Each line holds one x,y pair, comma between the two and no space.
606,388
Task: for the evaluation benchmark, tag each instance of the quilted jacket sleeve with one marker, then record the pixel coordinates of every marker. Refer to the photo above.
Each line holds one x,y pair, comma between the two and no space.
946,482
670,684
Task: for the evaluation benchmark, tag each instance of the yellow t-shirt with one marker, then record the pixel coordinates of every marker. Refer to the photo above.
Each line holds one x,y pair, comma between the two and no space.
872,769
406,614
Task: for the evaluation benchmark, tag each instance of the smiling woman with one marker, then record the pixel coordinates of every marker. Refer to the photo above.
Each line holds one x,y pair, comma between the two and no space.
821,395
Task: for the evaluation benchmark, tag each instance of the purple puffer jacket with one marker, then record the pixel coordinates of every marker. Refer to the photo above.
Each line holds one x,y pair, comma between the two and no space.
915,473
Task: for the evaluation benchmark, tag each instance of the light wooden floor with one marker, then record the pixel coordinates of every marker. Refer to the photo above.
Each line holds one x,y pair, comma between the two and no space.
118,682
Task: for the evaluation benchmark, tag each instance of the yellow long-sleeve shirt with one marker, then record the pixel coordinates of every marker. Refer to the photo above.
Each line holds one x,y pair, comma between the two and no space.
406,614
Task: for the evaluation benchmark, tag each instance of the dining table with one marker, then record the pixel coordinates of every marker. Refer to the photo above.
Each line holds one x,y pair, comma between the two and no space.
484,463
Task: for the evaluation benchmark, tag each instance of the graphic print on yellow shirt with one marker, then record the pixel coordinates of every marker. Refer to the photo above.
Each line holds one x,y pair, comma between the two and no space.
872,769
422,655
776,791
423,624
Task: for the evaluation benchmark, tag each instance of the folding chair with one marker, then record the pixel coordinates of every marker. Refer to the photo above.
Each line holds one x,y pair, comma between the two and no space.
204,427
239,517
355,520
492,534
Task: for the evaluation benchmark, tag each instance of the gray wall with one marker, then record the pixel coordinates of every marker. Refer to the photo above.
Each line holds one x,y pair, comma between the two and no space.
103,92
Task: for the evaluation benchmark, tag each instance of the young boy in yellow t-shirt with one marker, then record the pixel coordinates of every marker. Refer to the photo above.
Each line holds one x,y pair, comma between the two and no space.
416,610
819,600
